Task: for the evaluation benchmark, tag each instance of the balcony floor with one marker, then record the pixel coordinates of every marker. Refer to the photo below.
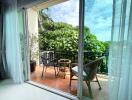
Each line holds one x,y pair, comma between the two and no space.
50,80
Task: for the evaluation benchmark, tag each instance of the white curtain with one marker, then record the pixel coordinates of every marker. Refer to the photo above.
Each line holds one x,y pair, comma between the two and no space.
13,47
120,58
3,66
23,31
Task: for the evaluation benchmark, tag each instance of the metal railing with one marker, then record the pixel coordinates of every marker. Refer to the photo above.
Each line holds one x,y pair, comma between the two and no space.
73,56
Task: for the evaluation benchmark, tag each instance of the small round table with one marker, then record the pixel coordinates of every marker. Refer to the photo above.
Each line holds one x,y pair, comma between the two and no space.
65,62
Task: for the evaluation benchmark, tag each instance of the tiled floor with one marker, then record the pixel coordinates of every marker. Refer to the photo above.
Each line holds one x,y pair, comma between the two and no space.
60,83
24,91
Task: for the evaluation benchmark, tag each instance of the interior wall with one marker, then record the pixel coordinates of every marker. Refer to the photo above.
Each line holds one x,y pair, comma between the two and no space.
33,34
33,6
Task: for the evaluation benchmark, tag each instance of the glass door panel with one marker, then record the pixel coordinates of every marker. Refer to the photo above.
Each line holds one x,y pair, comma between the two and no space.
97,35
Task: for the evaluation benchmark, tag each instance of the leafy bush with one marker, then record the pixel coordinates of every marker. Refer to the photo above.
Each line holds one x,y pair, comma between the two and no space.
58,36
63,37
92,44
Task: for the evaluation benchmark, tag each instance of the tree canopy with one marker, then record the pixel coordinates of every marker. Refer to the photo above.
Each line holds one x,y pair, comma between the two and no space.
61,36
58,36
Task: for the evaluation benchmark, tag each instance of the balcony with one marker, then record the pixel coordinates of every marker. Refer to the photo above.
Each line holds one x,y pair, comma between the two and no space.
58,82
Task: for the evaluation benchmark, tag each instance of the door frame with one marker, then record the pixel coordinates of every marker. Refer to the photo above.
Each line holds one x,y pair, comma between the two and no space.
81,48
80,54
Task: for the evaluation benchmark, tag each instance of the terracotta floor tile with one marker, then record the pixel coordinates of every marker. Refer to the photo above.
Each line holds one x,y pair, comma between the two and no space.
62,84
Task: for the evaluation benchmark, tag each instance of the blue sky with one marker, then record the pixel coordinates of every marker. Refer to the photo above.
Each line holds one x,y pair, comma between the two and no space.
98,16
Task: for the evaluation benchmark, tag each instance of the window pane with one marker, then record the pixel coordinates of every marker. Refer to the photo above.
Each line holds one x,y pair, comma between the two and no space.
97,35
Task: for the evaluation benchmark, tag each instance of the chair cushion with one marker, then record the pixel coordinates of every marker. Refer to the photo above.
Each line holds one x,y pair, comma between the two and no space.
75,69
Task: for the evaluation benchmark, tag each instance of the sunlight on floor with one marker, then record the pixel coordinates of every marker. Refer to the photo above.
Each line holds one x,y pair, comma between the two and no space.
63,84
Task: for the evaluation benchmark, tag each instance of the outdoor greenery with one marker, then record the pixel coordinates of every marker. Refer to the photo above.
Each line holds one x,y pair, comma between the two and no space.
58,36
63,37
34,54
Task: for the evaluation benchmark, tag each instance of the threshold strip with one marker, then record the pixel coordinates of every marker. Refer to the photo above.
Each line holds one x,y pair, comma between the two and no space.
55,91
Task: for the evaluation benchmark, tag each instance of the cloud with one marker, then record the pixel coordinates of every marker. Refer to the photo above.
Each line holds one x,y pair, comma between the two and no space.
65,12
98,16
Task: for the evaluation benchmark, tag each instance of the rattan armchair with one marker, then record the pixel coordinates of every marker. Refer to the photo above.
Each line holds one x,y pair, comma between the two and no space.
89,73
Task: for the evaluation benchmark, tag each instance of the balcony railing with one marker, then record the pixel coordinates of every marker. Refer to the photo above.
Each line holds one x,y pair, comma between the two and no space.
73,56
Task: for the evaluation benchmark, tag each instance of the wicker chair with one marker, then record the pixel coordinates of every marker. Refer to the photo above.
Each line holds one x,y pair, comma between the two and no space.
89,73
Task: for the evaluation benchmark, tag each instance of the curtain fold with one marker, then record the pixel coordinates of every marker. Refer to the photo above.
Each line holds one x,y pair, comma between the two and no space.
120,58
23,31
1,34
13,45
3,68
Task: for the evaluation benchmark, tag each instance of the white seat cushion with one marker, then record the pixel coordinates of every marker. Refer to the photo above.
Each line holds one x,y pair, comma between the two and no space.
75,69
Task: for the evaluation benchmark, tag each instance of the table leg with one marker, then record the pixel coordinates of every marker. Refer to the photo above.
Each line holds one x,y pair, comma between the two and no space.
64,71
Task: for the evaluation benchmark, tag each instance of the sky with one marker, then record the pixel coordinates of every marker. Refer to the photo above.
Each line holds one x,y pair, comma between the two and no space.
98,16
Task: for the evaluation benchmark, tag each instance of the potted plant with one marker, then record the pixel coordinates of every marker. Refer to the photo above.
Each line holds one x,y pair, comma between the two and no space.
33,54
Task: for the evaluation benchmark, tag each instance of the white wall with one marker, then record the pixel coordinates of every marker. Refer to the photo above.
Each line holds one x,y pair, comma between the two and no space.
33,34
33,20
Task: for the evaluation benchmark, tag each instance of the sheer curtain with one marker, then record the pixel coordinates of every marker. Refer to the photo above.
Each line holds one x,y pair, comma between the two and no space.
23,31
120,58
1,33
13,47
3,64
2,70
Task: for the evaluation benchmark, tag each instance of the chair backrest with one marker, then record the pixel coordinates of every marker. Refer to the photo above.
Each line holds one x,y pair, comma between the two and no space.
91,68
47,57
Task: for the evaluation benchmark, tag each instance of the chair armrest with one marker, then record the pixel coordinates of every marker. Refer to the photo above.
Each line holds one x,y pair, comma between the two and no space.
74,64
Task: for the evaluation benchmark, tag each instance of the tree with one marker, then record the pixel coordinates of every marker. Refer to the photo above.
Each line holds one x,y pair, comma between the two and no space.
92,45
58,36
63,37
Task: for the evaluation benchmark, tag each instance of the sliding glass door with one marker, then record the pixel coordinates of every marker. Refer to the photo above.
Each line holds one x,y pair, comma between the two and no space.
97,36
80,47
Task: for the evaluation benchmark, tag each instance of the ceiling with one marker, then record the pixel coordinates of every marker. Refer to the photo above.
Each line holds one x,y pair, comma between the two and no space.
37,4
47,4
29,3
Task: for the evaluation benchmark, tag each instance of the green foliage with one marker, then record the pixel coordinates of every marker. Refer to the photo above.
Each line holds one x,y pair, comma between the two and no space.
64,37
92,44
58,36
107,45
32,44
